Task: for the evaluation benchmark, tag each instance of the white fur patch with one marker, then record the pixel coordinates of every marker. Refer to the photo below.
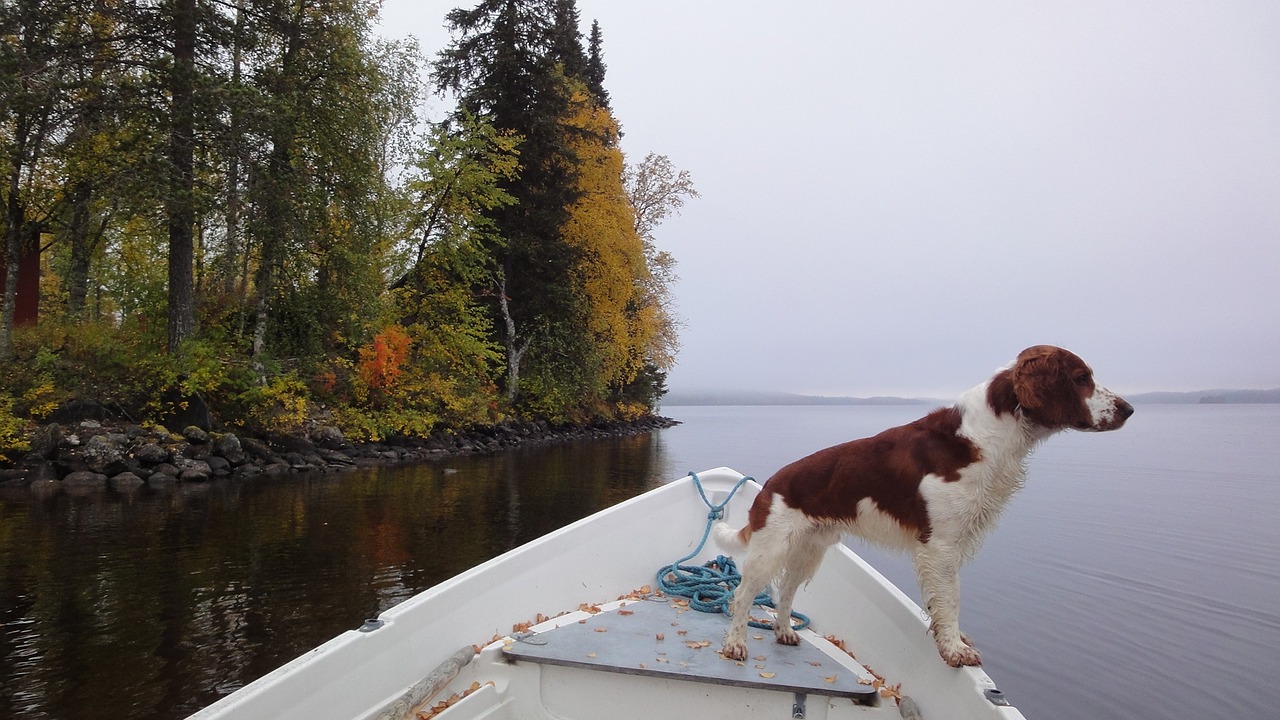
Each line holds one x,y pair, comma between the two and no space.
1103,408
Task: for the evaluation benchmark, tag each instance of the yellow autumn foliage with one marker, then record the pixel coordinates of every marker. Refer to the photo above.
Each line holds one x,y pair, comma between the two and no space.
601,227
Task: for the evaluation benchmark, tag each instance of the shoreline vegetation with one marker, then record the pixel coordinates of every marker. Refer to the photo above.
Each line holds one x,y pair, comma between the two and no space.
89,455
254,220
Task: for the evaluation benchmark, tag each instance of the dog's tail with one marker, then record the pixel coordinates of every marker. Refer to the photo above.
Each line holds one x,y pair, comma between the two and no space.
730,540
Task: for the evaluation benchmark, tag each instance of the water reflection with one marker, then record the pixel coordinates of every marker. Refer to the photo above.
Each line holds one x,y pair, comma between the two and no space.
156,603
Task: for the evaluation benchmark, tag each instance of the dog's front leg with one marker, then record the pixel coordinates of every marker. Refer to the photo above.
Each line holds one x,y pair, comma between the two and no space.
938,570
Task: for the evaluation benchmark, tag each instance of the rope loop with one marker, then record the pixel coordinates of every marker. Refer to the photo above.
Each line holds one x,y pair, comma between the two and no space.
710,587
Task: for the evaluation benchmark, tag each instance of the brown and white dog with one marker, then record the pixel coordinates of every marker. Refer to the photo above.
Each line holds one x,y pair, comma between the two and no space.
933,487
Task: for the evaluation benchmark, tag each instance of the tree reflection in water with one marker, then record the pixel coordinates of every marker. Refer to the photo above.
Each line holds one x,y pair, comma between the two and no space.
154,604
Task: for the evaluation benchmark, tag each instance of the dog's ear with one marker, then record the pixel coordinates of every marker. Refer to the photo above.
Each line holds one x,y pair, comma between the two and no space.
1035,373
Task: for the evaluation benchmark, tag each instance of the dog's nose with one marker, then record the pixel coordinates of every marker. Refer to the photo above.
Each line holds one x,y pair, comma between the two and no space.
1124,408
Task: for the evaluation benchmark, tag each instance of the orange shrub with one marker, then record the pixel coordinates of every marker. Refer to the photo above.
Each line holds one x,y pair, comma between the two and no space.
382,362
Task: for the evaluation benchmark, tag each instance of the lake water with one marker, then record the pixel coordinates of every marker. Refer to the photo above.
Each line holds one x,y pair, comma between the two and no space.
1137,574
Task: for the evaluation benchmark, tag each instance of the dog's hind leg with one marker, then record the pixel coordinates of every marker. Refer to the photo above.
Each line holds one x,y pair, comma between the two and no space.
802,562
764,561
735,640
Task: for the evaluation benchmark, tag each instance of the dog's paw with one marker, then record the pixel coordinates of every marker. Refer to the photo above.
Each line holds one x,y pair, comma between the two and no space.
734,650
960,653
785,634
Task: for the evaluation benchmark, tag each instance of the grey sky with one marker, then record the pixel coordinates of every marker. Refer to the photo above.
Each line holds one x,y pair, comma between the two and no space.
899,196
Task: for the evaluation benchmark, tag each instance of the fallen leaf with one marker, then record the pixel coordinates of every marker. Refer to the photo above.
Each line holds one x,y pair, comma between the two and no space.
767,675
661,637
602,629
830,679
591,654
760,657
891,691
626,612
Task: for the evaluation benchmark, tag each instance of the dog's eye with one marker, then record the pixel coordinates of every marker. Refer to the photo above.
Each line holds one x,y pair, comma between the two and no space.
1082,379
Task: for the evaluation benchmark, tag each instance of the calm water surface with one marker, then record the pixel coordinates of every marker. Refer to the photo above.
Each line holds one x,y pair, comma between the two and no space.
1137,575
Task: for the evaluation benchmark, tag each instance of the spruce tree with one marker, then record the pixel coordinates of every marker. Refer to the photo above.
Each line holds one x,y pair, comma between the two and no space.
566,40
506,64
594,76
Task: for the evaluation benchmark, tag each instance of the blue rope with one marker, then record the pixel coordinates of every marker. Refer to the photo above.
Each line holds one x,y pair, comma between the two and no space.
710,587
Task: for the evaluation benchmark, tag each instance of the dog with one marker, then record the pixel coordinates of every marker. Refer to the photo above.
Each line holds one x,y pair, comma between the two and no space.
933,487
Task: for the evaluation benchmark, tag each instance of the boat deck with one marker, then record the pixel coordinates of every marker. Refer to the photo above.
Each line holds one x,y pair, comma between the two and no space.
661,637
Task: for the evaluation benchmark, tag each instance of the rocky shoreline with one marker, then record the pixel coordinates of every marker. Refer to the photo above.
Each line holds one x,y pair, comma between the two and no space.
93,454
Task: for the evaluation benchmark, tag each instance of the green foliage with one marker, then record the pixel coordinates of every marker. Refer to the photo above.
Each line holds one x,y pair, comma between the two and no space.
341,265
278,406
13,430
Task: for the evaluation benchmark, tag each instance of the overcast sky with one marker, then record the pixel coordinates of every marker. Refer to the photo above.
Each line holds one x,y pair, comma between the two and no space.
899,196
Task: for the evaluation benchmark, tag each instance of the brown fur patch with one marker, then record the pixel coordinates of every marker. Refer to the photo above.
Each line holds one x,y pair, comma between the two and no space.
886,468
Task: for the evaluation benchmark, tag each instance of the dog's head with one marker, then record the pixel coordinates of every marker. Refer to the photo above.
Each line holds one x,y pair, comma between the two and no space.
1055,390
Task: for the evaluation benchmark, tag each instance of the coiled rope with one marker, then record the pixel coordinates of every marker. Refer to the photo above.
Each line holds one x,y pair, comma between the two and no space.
710,587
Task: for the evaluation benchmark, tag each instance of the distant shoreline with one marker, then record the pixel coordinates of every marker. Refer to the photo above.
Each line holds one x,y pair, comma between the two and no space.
729,397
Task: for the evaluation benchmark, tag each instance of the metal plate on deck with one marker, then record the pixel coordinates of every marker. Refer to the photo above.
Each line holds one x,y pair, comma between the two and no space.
660,638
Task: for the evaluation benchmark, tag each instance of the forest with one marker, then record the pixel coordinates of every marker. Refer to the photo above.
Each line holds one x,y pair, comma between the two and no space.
241,204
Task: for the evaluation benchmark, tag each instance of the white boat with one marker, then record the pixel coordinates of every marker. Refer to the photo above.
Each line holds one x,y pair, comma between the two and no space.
569,626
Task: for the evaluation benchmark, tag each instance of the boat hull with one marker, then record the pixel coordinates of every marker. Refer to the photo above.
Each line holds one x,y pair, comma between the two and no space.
369,674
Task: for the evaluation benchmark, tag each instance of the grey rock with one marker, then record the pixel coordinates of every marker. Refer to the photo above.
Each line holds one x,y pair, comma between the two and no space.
152,453
195,434
327,436
256,447
84,479
190,469
164,468
45,487
227,445
126,482
100,453
161,480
